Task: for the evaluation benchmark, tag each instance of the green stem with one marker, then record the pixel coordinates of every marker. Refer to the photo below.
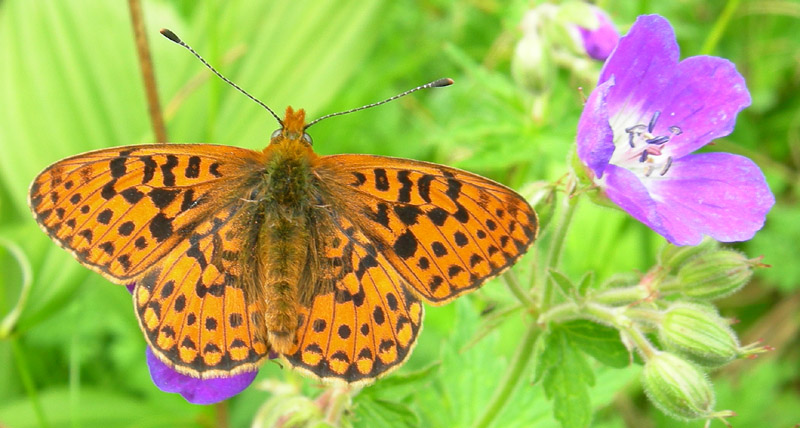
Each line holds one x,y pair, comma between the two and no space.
621,296
512,377
566,311
556,246
719,27
516,289
27,382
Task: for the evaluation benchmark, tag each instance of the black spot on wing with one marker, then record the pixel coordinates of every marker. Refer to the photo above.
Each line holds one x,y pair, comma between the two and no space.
404,194
149,168
166,170
424,187
193,168
161,227
406,245
407,213
381,180
162,197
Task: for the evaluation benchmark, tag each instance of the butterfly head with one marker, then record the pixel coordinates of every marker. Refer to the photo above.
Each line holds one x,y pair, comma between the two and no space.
292,129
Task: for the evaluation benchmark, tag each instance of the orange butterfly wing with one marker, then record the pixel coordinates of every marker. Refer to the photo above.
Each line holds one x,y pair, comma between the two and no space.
120,210
172,219
393,230
199,308
444,230
361,319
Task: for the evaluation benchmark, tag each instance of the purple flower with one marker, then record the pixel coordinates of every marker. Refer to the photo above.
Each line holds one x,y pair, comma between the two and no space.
196,391
600,41
639,126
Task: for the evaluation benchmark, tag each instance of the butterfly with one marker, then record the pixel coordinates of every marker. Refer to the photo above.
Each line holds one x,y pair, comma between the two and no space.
236,254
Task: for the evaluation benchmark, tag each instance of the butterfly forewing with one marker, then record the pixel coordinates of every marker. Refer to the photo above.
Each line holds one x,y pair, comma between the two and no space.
120,210
444,230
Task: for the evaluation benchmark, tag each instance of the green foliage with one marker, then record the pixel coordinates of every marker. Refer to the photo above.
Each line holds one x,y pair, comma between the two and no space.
70,83
566,378
601,342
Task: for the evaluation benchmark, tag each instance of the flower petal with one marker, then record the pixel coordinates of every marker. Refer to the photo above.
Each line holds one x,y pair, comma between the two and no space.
703,98
721,195
197,391
595,137
626,190
701,95
643,62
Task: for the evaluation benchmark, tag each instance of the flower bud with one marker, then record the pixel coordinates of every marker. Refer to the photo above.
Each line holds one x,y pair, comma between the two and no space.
698,333
532,65
674,257
593,27
678,387
289,407
715,274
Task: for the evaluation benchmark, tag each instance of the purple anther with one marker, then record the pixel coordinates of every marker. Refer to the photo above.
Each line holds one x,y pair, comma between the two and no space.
653,121
658,140
643,157
635,129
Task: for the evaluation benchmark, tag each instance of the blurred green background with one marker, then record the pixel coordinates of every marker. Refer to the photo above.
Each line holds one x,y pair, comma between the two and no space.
72,353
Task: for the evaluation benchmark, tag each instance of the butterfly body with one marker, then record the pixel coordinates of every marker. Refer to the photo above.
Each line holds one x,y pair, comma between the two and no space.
284,239
236,253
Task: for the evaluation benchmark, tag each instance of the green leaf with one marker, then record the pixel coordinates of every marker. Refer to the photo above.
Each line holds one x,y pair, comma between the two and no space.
371,412
585,283
567,383
545,355
401,385
468,378
563,283
601,342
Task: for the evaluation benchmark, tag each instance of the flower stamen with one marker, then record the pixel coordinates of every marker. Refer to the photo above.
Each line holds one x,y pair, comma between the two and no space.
646,146
653,121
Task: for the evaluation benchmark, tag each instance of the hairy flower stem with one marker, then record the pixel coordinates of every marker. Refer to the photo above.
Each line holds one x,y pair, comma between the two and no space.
556,245
511,378
516,289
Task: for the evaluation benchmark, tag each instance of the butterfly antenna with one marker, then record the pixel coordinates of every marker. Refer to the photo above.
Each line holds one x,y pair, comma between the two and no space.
435,84
174,37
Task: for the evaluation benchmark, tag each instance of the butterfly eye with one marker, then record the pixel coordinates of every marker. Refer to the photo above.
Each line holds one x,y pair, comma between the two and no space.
276,134
307,139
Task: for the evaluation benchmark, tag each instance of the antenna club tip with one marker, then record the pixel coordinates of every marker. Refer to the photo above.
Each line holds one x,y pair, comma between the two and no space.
170,35
442,82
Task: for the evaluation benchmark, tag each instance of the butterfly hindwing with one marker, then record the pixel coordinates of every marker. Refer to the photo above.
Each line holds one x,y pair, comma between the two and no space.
199,311
362,319
444,230
120,210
